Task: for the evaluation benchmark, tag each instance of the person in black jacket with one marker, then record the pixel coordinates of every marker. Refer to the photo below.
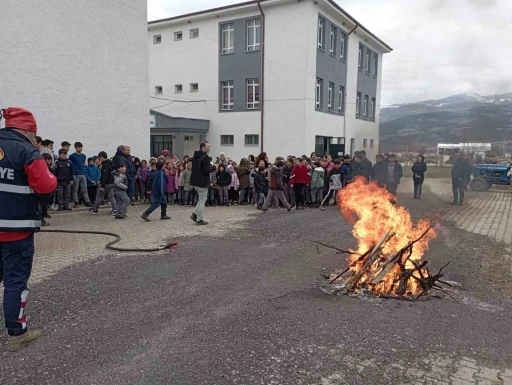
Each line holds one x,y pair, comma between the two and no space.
223,181
460,172
366,165
261,185
418,175
380,171
202,166
106,184
65,176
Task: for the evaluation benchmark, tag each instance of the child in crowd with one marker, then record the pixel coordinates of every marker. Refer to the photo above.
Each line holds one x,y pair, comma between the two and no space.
157,193
242,173
93,176
234,185
170,182
299,179
223,181
65,176
252,190
181,188
45,200
288,189
212,190
345,171
120,188
276,188
317,184
137,194
334,184
261,185
142,180
189,190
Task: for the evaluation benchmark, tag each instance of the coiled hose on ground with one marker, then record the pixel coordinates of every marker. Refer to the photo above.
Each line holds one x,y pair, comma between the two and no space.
169,245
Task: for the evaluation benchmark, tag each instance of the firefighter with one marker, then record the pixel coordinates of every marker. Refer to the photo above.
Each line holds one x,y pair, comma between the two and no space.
24,176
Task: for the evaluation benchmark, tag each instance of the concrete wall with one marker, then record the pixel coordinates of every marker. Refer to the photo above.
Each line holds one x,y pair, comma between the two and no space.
81,68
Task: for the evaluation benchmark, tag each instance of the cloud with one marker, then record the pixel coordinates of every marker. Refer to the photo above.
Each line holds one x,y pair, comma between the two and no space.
440,47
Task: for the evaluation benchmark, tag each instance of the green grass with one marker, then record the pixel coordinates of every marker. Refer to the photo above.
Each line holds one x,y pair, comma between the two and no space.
432,172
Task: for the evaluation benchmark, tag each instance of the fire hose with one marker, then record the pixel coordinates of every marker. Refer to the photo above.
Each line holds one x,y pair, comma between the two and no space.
169,245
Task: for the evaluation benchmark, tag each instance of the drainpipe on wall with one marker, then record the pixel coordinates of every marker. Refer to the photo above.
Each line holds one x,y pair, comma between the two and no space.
262,76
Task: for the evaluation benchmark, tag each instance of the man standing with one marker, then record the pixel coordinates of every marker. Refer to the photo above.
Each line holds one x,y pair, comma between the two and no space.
24,175
130,172
459,175
380,171
80,182
395,173
201,168
366,165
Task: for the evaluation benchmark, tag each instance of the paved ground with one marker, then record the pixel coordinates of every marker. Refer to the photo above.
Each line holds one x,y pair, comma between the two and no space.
239,303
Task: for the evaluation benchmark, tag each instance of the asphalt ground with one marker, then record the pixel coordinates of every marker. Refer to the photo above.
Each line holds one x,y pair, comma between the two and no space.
246,308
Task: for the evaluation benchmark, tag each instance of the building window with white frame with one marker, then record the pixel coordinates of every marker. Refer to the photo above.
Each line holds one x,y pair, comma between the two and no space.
341,101
332,41
227,140
375,64
194,33
228,95
365,109
178,36
178,88
194,87
253,94
252,140
157,39
372,110
330,103
159,90
368,59
318,93
228,38
321,24
358,105
360,58
342,47
372,143
253,35
365,143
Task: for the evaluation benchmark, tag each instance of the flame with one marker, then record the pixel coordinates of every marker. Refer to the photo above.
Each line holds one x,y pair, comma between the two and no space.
373,212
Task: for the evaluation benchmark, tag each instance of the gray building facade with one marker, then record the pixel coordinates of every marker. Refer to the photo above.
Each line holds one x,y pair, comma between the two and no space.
239,61
367,82
331,66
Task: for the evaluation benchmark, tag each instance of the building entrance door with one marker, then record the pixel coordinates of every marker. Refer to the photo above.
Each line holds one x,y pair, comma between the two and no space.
160,143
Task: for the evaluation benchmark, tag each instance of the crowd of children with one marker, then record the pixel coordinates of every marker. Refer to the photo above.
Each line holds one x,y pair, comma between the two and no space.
292,182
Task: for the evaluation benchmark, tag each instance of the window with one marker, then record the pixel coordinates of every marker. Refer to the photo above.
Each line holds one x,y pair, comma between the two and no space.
227,140
157,39
194,33
228,95
318,95
372,109
228,38
252,140
253,35
178,36
321,23
332,41
188,138
358,105
159,90
365,143
365,110
341,101
342,48
372,143
330,103
178,88
194,87
375,64
253,94
360,62
368,59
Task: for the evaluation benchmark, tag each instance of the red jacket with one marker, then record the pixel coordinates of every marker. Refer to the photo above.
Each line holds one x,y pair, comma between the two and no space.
300,174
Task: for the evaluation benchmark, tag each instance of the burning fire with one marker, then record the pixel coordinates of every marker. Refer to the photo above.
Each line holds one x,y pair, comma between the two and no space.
373,212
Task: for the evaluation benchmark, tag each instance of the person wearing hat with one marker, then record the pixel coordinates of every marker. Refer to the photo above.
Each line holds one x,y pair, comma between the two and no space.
24,178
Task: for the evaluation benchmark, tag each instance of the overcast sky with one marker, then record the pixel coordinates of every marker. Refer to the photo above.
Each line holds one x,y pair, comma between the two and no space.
441,47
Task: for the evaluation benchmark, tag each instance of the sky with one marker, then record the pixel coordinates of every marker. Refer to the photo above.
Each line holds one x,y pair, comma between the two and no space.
440,47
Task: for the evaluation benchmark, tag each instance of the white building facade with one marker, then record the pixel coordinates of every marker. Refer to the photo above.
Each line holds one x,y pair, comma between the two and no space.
81,67
281,76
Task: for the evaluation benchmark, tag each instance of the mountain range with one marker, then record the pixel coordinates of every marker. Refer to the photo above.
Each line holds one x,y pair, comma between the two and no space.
466,117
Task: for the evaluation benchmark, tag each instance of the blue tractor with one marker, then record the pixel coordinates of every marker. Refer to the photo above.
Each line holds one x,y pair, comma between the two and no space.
486,175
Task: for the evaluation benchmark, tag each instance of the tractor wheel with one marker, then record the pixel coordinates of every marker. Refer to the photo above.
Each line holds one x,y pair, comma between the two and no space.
479,184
